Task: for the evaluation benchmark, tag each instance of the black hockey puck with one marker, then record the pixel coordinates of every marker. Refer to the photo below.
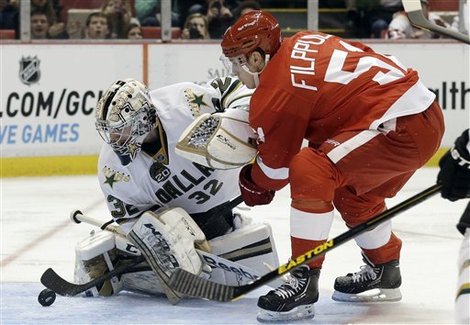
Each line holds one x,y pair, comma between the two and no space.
46,297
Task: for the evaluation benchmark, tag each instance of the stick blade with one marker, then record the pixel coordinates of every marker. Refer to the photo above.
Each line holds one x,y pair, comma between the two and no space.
195,286
51,280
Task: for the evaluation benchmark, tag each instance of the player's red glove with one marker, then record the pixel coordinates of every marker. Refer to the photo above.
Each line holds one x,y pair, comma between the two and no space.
252,194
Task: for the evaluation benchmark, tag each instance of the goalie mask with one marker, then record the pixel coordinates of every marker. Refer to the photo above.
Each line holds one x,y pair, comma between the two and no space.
124,117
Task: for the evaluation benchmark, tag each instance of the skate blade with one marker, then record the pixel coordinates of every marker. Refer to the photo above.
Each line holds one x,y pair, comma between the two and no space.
373,295
299,313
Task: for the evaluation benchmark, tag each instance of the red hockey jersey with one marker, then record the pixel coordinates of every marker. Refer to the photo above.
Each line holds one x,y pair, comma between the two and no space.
318,86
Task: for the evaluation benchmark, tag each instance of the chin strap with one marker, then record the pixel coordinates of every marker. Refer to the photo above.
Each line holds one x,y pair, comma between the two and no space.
256,74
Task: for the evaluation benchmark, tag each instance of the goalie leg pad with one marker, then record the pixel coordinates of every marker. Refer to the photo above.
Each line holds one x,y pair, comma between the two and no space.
167,241
93,258
90,262
251,246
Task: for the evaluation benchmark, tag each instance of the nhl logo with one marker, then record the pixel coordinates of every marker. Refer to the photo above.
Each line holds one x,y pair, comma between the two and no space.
29,70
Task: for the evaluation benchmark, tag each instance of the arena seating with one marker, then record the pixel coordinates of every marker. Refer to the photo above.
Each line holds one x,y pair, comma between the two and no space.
447,5
156,32
7,34
77,4
293,20
82,4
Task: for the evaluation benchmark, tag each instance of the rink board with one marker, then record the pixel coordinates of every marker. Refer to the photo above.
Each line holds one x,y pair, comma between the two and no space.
49,91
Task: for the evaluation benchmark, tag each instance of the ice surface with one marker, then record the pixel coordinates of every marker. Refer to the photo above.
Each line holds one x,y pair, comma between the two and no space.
36,234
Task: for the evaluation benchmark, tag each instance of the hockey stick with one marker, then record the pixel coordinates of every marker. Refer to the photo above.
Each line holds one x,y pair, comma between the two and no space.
415,14
192,285
51,280
78,217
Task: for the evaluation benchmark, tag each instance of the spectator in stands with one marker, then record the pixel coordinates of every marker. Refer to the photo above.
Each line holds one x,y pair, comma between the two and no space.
219,17
47,6
187,8
196,27
74,29
52,11
134,32
246,6
148,13
119,14
383,16
400,27
39,24
9,16
370,18
97,26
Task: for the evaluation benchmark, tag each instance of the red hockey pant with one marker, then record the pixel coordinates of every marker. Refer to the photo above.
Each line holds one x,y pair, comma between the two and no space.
358,180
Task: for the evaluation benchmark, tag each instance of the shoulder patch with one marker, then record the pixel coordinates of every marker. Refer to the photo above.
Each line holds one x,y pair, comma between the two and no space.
112,176
159,172
195,101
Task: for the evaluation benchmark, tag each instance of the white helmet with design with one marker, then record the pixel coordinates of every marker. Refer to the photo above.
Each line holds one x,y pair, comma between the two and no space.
124,117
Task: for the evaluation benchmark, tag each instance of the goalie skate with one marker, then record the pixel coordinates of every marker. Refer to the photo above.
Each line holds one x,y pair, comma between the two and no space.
373,283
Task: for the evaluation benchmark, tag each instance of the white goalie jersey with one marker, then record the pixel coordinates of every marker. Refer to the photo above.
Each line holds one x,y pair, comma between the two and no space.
149,183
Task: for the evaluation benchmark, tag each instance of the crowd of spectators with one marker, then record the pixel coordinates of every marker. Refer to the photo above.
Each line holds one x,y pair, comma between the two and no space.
199,19
124,19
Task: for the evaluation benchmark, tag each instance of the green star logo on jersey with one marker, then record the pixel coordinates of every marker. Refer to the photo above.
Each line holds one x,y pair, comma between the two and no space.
110,180
198,100
195,101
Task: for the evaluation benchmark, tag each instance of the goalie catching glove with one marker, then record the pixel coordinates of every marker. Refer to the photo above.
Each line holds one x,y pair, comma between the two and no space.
221,140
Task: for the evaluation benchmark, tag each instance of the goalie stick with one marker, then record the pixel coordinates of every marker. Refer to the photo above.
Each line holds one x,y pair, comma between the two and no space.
53,281
195,286
415,14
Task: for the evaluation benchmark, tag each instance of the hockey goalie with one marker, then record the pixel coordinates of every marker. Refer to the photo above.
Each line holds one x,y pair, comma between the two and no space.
173,211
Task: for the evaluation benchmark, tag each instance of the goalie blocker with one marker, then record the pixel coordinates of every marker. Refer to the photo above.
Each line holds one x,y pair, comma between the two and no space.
237,258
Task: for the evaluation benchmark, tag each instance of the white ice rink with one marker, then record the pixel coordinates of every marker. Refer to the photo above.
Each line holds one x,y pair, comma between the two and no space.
36,234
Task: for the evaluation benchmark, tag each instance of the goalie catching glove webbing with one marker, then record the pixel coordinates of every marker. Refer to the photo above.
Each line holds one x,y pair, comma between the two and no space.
221,140
167,241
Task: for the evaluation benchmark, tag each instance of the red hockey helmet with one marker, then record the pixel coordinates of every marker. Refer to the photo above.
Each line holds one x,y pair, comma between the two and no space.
255,29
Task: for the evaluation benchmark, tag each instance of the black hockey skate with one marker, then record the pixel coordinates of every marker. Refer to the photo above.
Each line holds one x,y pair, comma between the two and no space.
293,300
373,283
